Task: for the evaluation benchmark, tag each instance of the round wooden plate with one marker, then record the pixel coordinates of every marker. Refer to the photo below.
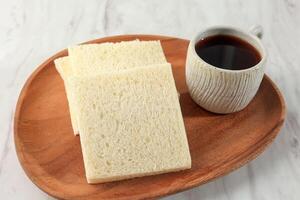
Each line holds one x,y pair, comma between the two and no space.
51,155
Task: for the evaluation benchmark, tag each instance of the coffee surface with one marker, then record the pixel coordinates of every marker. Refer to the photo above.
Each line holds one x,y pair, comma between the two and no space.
227,52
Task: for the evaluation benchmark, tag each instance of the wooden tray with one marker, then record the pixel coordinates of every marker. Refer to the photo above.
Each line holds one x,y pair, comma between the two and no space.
51,155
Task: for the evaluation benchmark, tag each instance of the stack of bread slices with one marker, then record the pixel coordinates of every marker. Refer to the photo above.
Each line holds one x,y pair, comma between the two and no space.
124,104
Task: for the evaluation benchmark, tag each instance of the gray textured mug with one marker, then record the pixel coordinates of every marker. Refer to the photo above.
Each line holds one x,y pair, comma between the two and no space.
221,90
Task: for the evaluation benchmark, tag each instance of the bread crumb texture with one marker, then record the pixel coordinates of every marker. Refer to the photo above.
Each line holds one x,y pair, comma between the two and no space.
130,123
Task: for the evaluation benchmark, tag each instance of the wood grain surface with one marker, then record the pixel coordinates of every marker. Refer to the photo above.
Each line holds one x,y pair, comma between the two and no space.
51,155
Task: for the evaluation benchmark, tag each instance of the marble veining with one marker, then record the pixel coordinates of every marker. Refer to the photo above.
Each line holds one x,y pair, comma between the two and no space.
32,31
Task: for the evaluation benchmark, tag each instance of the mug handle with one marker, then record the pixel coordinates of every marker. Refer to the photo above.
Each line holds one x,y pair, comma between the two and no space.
257,30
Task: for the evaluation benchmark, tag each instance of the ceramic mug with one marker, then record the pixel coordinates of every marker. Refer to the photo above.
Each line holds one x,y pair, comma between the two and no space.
221,90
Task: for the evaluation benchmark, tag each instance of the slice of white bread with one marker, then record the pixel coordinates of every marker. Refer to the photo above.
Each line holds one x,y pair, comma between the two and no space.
65,70
91,59
130,124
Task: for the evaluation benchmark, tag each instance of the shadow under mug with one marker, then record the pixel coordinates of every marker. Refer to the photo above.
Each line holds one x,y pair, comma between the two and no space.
221,90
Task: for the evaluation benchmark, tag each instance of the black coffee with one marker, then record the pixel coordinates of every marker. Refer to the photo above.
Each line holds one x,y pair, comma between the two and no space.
227,52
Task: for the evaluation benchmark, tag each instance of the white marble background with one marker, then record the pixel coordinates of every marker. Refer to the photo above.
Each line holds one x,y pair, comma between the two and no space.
33,30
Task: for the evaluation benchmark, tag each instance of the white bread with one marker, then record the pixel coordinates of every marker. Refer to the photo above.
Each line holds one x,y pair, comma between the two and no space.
130,124
91,59
65,70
